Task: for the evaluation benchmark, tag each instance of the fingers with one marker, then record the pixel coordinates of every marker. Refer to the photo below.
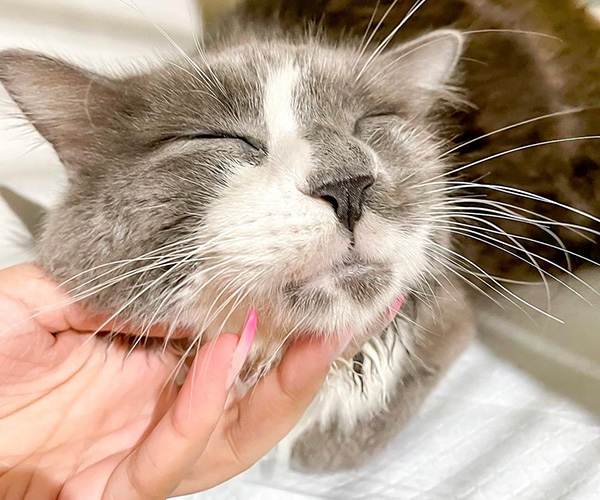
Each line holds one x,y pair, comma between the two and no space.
153,470
267,414
52,309
158,465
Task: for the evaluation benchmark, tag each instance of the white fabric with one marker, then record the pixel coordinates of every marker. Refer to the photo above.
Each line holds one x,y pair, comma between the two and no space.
518,417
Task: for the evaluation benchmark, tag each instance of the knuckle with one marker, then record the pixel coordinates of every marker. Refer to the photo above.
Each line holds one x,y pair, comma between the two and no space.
186,427
288,391
237,454
234,429
177,426
137,482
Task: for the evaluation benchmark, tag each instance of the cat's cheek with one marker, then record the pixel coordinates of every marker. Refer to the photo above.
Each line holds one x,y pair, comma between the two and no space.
403,248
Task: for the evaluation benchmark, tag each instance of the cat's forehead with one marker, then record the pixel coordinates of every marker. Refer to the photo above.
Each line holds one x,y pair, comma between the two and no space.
315,63
251,84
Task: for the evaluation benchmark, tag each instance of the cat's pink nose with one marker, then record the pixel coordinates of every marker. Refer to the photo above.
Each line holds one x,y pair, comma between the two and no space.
346,196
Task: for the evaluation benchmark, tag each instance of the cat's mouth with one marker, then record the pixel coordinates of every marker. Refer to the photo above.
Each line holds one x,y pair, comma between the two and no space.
352,277
361,280
352,265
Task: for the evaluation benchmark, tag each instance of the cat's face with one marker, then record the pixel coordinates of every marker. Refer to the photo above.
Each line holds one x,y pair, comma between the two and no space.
270,174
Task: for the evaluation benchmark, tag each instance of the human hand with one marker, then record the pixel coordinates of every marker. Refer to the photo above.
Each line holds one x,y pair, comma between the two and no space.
79,419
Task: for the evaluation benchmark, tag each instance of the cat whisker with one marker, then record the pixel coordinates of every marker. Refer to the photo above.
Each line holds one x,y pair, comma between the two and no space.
131,4
438,258
517,125
542,243
403,316
159,260
267,364
141,271
195,77
130,301
562,247
511,237
201,51
206,323
502,287
472,32
238,300
499,244
435,278
364,42
239,297
458,203
450,262
532,196
395,62
384,43
515,150
377,27
540,34
127,261
147,325
153,282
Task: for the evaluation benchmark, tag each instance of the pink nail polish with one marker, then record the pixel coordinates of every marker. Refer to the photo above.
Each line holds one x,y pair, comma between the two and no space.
394,309
243,348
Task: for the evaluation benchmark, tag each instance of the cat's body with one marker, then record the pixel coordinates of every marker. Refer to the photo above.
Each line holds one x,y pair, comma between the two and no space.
289,170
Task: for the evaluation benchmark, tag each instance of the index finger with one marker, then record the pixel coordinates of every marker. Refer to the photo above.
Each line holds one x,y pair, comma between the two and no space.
253,426
267,414
155,468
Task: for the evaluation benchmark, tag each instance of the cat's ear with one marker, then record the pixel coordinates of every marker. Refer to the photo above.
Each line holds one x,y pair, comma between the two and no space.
423,67
72,108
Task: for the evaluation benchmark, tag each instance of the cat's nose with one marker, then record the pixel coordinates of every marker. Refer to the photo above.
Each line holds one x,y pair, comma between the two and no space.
346,196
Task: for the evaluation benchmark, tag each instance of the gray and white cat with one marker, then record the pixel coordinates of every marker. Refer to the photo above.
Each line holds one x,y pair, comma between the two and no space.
310,163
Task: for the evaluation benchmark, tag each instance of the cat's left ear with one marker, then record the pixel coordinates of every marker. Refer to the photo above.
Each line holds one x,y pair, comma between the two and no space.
421,70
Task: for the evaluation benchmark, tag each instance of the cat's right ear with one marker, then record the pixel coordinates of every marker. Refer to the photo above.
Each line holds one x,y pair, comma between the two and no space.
420,72
74,109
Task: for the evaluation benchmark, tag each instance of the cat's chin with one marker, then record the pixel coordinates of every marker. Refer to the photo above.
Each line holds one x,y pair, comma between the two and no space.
351,281
362,303
352,295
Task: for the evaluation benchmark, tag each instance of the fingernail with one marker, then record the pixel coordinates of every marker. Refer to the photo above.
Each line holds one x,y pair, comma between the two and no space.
342,343
243,348
394,309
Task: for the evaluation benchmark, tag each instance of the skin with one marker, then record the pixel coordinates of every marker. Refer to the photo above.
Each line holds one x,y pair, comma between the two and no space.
80,419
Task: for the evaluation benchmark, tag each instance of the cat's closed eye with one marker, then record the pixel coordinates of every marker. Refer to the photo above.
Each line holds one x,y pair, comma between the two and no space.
370,124
247,141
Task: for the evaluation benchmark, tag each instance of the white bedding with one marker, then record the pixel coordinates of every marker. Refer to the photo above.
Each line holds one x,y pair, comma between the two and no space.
518,417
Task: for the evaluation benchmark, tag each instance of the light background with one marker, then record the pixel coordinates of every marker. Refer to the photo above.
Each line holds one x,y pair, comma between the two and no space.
518,417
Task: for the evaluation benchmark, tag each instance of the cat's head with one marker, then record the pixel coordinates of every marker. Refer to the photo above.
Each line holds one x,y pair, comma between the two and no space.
291,176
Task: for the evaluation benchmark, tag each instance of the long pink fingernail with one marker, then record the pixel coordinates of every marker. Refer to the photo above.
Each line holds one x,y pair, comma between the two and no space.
243,348
394,309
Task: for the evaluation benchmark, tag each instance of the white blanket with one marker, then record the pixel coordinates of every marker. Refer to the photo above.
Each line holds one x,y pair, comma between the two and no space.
518,417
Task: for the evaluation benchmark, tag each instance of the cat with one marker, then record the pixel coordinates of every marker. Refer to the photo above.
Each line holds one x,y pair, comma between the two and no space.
324,162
